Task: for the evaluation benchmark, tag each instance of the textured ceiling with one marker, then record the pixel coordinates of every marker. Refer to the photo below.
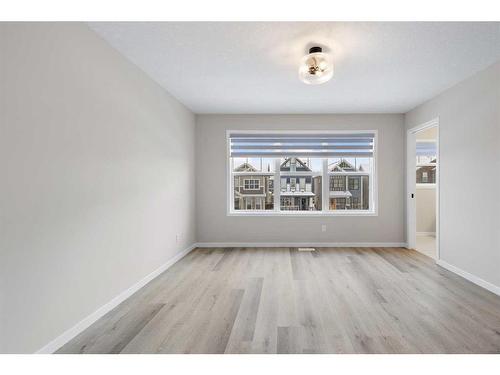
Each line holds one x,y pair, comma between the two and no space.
251,67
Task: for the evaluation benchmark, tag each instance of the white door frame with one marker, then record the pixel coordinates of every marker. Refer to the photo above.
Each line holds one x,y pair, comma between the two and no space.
411,227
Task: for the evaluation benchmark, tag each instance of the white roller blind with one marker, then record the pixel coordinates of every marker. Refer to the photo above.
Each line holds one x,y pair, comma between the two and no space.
304,145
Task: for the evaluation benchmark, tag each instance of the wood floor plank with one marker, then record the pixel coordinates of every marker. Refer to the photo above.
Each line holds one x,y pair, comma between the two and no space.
244,325
216,337
289,340
280,300
113,338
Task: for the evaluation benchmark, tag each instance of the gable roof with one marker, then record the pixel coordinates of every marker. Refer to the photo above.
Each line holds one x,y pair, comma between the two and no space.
341,166
245,167
427,167
300,163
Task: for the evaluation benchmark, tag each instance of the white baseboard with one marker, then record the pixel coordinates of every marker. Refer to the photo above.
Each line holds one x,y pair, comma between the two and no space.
426,234
59,341
468,276
301,244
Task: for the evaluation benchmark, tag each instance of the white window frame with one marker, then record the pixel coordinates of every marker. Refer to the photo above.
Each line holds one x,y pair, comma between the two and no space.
373,189
251,181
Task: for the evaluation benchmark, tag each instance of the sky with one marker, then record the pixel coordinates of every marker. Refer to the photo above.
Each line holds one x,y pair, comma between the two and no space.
267,164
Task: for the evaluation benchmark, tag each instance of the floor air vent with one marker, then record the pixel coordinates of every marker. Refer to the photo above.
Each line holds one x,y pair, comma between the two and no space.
307,249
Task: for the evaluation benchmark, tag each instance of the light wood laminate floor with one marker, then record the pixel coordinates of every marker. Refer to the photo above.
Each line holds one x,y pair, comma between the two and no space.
426,245
279,300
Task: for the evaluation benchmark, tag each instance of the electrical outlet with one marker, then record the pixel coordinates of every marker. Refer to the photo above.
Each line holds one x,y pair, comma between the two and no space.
177,238
323,227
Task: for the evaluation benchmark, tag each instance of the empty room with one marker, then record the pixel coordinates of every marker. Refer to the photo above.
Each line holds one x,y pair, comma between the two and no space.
257,187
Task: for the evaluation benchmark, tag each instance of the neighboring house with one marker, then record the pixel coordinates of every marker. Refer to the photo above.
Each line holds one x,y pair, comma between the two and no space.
348,190
300,192
252,191
426,174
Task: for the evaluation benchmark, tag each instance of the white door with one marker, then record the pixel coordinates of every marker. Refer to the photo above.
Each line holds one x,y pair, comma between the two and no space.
411,185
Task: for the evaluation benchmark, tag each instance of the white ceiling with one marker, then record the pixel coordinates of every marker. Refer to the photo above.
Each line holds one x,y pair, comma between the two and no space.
251,67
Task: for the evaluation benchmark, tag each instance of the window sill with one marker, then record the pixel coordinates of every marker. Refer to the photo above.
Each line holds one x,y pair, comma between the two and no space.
303,214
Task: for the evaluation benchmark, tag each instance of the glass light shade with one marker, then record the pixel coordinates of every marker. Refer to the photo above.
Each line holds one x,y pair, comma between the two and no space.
316,68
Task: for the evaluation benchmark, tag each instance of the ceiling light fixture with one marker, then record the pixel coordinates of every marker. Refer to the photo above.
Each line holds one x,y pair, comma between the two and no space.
316,67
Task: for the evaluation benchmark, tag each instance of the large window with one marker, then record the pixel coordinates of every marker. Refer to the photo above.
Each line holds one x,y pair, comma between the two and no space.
301,173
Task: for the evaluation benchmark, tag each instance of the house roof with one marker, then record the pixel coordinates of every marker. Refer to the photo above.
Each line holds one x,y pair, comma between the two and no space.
426,168
299,162
341,166
245,167
340,194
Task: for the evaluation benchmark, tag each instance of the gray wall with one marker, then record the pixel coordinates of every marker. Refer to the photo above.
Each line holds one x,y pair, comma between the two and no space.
469,119
97,169
213,225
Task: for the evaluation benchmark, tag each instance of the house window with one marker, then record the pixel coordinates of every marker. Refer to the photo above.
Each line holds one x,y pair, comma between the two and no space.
353,183
337,183
251,184
300,163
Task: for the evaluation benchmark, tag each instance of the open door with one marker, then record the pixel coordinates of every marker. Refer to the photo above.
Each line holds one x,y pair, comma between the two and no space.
423,144
411,232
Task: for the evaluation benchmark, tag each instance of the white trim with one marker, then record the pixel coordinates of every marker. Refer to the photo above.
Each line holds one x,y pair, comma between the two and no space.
64,338
325,187
426,234
373,189
276,189
301,244
303,213
470,277
280,131
426,186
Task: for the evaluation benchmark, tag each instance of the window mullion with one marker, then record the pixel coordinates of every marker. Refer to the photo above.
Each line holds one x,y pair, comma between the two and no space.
277,185
325,191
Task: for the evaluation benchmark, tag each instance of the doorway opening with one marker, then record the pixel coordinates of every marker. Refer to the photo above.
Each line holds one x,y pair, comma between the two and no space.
423,188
